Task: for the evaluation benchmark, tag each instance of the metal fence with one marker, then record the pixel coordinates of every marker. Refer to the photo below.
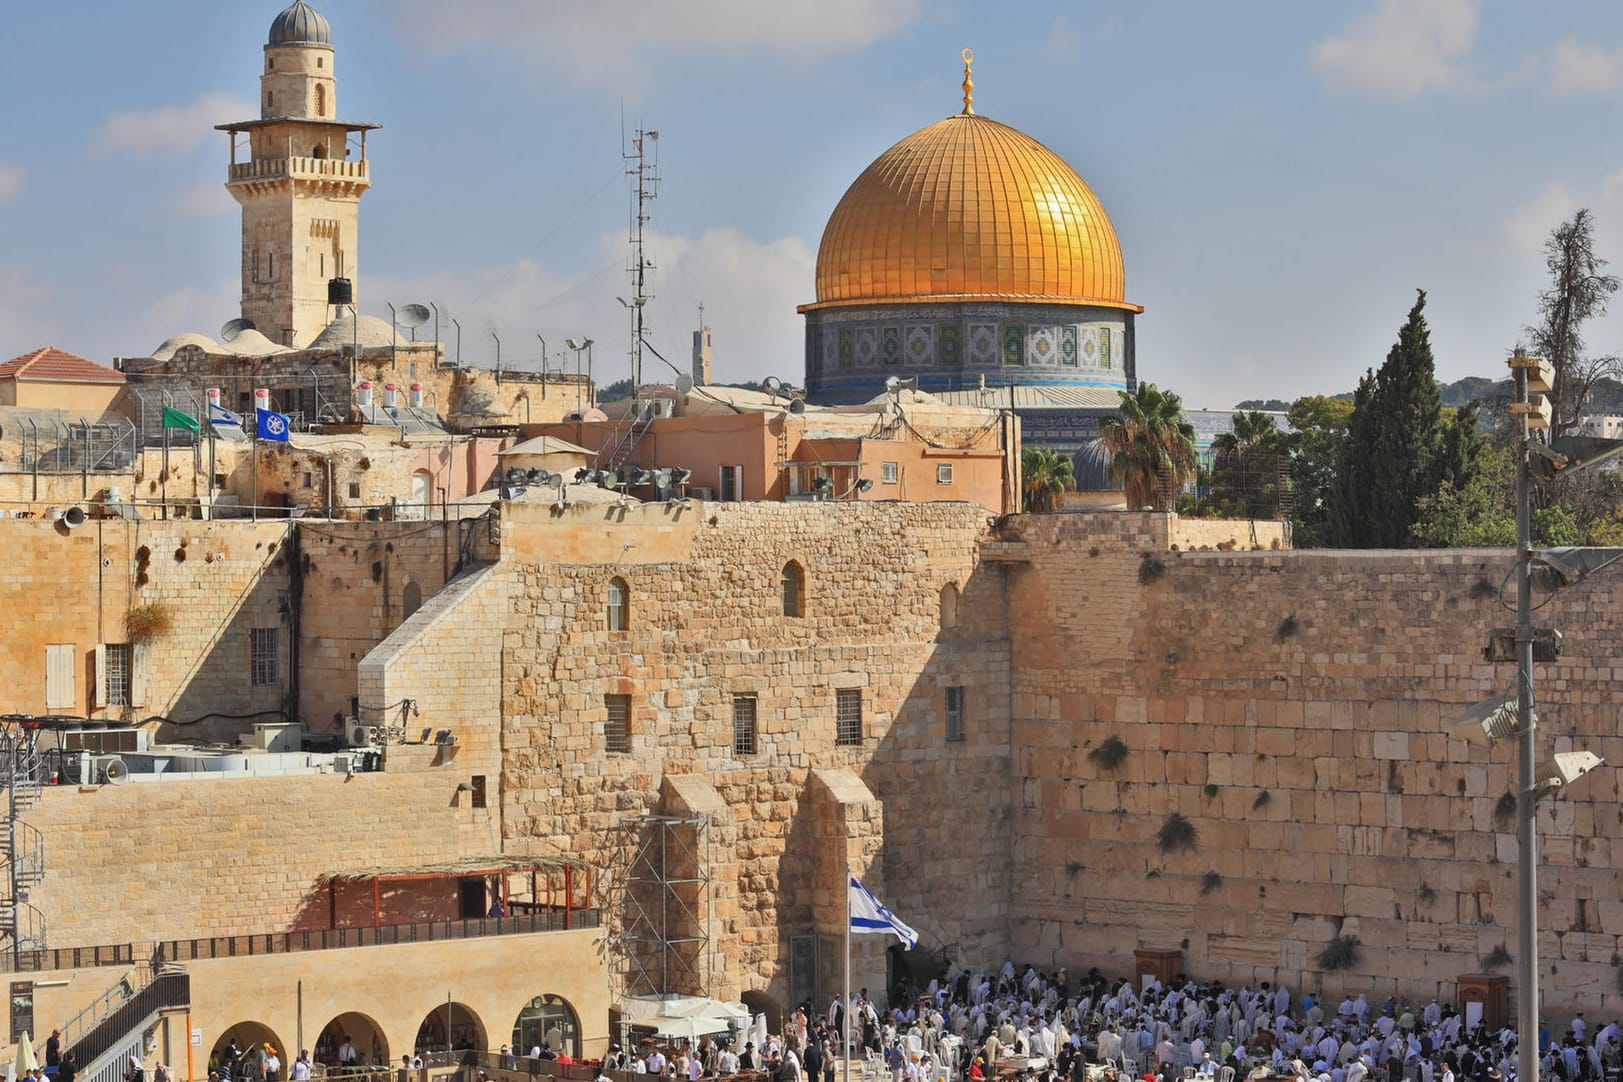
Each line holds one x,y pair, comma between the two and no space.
553,919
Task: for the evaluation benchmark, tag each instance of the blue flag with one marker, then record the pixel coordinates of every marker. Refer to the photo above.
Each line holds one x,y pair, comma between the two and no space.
272,425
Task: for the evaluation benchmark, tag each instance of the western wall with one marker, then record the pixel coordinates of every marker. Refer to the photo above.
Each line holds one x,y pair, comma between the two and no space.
1293,706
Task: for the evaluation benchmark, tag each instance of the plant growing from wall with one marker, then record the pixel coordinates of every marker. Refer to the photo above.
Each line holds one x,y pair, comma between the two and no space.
1150,569
1505,810
1177,833
1340,953
1110,754
1261,801
1286,628
1483,590
1498,958
1426,894
1210,791
143,623
1210,882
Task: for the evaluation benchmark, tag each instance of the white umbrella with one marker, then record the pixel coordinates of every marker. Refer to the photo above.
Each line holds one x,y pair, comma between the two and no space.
25,1055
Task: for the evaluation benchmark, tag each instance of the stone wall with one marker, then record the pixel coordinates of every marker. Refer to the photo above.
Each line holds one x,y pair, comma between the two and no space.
1294,708
707,625
218,856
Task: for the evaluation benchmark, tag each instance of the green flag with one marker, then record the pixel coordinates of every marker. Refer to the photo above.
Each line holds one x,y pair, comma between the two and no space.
173,418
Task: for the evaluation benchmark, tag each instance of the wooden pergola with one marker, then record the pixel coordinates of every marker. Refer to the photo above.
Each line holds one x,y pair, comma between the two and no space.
502,868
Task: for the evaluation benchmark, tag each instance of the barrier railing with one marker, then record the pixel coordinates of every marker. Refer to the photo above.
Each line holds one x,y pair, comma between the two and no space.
546,920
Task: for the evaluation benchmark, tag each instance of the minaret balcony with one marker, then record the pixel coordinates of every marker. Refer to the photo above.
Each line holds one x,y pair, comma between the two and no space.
301,169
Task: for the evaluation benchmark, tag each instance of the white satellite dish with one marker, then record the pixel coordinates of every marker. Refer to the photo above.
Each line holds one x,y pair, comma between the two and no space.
771,384
684,383
414,315
234,327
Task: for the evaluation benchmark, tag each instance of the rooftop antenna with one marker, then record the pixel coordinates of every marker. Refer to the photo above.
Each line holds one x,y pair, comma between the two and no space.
234,327
643,164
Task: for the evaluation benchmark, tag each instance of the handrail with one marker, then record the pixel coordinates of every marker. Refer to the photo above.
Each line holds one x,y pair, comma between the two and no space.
169,990
105,1004
552,919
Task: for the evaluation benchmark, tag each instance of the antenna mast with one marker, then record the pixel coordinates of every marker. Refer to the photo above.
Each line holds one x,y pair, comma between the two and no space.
643,166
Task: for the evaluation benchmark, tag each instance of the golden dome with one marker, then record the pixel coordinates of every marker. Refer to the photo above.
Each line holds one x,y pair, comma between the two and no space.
970,209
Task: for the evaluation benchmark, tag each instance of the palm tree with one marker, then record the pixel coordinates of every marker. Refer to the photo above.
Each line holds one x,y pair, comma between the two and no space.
1151,447
1047,475
1253,431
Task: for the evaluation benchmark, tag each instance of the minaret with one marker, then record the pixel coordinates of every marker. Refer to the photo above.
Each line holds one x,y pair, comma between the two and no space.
300,189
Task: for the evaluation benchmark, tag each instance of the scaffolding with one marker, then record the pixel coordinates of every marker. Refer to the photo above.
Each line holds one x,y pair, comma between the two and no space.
663,908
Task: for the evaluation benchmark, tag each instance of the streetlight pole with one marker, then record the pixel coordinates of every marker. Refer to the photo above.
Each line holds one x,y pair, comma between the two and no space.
1527,994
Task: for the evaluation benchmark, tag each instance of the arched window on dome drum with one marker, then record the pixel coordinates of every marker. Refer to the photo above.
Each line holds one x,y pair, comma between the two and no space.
794,589
949,605
321,100
619,605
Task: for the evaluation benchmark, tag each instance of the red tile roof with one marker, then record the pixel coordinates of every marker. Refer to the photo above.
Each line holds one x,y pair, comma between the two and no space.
52,364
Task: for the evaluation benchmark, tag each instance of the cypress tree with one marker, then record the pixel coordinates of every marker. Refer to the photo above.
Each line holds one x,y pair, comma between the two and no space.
1391,455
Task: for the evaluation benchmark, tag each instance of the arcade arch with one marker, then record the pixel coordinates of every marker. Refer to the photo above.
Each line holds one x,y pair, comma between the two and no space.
550,1020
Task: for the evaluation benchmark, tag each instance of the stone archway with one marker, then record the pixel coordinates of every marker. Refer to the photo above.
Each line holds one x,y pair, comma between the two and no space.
364,1034
765,1003
464,1029
251,1039
550,1020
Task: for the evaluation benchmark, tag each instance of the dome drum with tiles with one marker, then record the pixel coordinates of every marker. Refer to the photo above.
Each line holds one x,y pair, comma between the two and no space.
968,250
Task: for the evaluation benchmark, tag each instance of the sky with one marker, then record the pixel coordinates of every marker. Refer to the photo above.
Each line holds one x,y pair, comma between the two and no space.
1282,175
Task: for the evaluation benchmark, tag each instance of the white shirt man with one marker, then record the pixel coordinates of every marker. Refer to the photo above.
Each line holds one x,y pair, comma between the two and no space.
1208,1068
301,1070
346,1054
727,1062
656,1062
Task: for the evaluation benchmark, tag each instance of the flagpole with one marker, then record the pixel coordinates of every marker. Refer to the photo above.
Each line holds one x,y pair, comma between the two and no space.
846,1002
163,491
253,464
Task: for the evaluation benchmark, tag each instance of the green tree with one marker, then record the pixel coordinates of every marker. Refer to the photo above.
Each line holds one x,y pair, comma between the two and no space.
1480,512
1244,480
1390,460
1047,475
1319,430
1151,447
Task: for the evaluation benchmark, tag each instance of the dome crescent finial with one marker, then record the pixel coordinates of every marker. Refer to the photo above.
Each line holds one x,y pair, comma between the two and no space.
969,84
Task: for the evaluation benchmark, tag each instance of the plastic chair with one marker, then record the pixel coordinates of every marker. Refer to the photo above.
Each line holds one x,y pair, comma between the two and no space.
1225,1074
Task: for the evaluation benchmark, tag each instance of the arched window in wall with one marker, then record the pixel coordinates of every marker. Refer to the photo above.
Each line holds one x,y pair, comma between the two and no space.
949,605
411,601
794,589
619,607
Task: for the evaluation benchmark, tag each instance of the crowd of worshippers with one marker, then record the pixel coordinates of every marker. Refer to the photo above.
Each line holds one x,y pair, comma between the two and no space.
1051,1028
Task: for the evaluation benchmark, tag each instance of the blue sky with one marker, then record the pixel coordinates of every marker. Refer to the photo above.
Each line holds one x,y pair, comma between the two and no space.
1282,174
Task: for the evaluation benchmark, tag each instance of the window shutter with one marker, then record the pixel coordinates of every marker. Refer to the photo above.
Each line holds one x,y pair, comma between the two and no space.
59,682
138,674
100,698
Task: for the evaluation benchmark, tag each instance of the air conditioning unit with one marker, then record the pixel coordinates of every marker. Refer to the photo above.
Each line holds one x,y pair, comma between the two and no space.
701,492
363,736
345,764
665,407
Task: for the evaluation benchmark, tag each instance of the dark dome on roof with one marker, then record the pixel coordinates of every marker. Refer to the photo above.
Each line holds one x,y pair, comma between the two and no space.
300,24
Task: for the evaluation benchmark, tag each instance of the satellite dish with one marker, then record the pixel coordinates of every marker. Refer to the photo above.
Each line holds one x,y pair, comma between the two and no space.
684,383
234,327
771,384
892,385
797,406
414,315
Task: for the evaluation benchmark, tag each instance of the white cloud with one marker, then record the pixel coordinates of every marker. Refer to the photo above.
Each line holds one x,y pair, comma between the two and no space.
1399,49
749,289
11,181
1578,69
1528,225
25,320
208,199
1062,42
573,39
169,129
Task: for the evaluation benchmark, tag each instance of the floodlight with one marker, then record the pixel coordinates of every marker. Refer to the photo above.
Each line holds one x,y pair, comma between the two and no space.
515,475
680,475
1561,771
865,484
1502,644
823,485
1488,722
1569,454
1554,568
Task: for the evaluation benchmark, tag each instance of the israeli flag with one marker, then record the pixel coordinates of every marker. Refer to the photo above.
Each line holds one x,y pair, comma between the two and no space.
219,415
868,914
272,425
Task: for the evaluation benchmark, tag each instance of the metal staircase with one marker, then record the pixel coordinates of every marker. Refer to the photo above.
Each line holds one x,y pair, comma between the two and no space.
107,1035
22,927
623,441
